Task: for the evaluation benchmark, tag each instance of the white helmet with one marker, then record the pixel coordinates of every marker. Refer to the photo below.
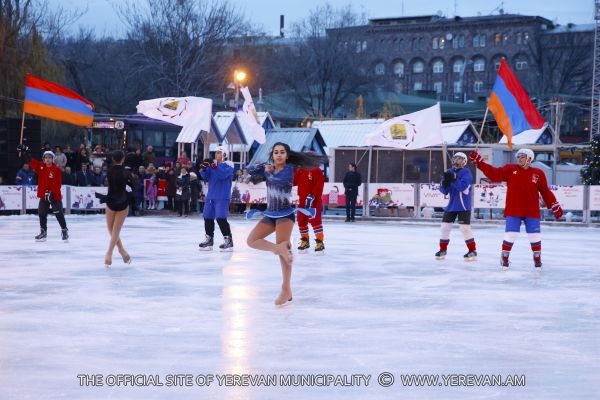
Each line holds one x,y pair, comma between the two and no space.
527,153
460,156
222,150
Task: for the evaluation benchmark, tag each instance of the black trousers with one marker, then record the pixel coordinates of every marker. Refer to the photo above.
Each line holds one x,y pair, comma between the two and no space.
350,206
56,208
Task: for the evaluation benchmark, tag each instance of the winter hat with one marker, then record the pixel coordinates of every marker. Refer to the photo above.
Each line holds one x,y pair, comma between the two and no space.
48,153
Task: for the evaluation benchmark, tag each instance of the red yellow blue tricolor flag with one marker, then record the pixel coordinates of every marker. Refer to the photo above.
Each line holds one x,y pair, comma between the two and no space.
512,108
50,100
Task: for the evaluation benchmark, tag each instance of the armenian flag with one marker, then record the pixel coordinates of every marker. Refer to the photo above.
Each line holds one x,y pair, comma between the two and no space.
50,100
509,102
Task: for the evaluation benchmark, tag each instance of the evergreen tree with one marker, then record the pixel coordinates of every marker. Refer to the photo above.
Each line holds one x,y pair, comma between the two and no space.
590,175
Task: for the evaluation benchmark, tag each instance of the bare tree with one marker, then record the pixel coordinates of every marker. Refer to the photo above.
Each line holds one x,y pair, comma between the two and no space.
26,28
178,44
321,66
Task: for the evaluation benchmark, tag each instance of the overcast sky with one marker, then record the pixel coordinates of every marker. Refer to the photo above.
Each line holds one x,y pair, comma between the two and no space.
103,19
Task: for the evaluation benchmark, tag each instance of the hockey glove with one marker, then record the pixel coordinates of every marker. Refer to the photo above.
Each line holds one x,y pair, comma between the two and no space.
557,210
23,148
475,157
213,165
205,163
450,176
445,183
309,200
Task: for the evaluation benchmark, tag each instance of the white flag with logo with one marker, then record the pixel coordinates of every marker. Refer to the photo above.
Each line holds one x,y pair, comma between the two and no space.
249,117
410,131
193,114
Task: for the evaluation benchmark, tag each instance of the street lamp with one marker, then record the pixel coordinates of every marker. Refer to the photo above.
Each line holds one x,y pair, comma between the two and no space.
239,76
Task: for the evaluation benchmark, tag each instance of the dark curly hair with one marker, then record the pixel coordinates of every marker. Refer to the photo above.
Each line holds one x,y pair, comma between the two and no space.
302,160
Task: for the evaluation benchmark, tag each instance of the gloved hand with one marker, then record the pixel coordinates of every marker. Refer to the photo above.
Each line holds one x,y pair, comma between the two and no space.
23,148
213,165
475,157
450,176
557,210
49,196
205,163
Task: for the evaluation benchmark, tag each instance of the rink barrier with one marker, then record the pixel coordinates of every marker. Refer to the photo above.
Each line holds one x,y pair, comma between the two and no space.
581,203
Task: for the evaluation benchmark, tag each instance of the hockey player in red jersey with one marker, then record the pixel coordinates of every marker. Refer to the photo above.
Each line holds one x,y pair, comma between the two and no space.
310,184
525,184
48,191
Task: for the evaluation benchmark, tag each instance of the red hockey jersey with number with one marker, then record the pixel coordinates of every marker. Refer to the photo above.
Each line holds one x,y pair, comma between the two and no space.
309,181
524,187
49,178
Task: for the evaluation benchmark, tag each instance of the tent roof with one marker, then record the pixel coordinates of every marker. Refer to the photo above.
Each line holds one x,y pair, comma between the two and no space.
299,139
532,136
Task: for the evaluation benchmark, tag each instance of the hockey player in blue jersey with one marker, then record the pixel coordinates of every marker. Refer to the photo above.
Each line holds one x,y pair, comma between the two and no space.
457,184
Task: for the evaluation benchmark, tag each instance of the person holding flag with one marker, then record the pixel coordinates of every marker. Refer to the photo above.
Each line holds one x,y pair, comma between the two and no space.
48,191
524,186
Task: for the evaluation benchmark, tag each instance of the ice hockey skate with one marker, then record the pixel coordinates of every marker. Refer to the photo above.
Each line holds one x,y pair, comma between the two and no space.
504,263
319,247
42,236
303,246
227,244
440,255
207,245
470,256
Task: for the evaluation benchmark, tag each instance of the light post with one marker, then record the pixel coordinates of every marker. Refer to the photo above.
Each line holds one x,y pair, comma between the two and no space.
239,76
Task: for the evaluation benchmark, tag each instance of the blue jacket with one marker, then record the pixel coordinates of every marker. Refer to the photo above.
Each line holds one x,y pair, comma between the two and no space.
219,181
460,190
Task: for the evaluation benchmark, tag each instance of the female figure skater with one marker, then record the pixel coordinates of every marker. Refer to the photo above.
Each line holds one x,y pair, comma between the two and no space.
279,216
117,202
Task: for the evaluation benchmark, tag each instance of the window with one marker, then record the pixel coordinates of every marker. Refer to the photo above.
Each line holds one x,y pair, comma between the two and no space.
476,41
434,43
479,65
438,67
437,86
458,87
418,67
458,66
521,65
525,37
417,43
482,40
418,86
361,46
442,43
497,39
505,39
379,69
399,69
519,37
458,42
478,86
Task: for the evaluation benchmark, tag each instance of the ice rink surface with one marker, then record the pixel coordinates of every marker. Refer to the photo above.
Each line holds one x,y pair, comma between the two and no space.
376,303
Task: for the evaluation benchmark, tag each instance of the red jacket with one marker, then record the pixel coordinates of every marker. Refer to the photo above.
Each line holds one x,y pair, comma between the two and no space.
49,178
309,181
524,187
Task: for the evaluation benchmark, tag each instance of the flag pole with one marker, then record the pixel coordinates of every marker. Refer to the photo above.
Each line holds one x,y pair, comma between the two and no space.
487,109
22,127
444,154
